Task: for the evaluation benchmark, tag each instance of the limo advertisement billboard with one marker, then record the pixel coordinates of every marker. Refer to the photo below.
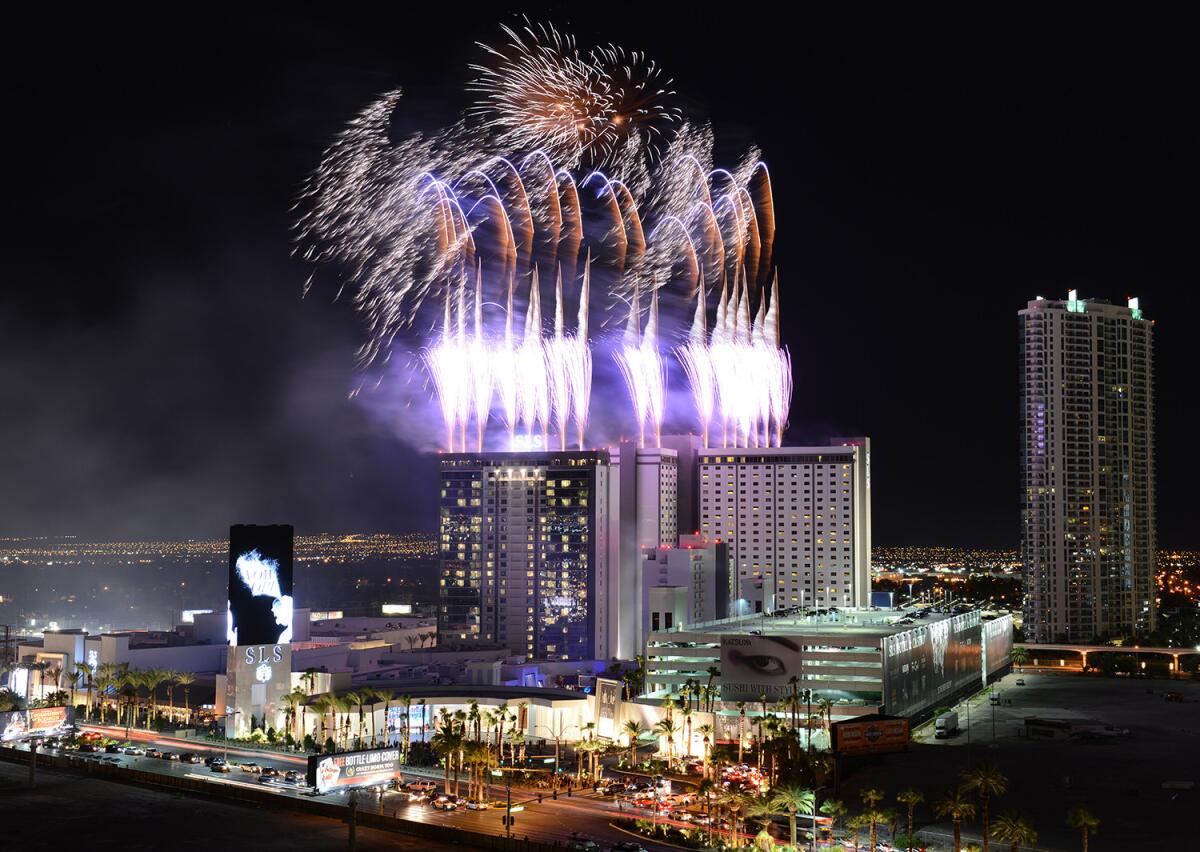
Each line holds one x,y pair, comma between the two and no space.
352,769
260,585
928,664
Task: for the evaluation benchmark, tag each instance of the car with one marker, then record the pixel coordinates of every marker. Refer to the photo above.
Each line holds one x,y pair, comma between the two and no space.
268,779
293,777
478,806
1020,681
444,804
112,748
134,751
271,772
169,755
422,786
190,757
583,843
628,846
89,747
219,766
681,816
251,767
153,752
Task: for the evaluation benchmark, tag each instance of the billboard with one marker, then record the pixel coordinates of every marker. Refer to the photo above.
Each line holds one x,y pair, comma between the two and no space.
44,721
260,585
352,769
927,664
997,644
758,665
870,735
38,722
608,696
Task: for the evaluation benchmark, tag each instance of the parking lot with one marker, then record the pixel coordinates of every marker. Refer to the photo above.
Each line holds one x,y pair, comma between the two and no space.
1118,776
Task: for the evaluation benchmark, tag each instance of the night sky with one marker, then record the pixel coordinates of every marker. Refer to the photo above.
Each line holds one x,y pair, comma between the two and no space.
161,376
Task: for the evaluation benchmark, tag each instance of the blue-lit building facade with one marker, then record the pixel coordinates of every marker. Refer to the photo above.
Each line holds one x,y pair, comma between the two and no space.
525,558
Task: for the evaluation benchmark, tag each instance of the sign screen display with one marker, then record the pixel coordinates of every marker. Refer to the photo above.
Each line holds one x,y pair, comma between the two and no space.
758,665
928,664
351,769
38,722
870,736
260,585
997,643
608,695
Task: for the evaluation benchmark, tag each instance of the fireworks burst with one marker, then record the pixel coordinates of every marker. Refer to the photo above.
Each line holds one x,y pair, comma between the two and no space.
454,219
593,109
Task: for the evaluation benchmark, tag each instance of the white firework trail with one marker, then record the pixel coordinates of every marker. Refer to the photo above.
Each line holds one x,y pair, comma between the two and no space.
400,219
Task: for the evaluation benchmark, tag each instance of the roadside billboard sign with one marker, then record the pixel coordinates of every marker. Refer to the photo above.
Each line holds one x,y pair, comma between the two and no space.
351,769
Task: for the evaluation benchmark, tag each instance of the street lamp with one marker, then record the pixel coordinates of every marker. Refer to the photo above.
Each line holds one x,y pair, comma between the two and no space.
508,800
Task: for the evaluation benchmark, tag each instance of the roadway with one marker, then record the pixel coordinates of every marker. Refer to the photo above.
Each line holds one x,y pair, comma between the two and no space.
583,813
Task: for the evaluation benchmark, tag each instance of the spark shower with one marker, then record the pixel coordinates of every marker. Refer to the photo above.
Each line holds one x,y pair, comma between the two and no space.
573,181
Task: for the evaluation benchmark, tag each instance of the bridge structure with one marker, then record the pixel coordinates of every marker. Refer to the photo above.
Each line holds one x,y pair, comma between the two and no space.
1041,654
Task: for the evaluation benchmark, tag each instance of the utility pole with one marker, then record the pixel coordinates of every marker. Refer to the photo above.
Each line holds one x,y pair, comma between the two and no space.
32,763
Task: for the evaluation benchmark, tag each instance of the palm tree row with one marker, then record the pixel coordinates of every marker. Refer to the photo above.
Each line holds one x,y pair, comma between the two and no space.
980,785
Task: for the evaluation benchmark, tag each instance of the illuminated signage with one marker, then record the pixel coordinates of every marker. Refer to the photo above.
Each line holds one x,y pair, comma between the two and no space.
40,721
758,665
353,769
188,616
397,609
870,736
326,615
260,585
608,695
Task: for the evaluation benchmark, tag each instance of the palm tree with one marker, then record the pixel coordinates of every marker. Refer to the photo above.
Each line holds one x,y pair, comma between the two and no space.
152,679
871,797
857,824
1085,821
792,800
986,781
293,700
666,728
957,805
707,790
713,672
86,672
633,729
1012,828
186,679
835,809
825,708
910,798
736,802
1020,656
707,732
446,743
406,700
741,706
171,682
687,721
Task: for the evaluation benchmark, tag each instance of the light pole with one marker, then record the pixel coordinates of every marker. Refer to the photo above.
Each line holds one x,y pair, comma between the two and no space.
508,800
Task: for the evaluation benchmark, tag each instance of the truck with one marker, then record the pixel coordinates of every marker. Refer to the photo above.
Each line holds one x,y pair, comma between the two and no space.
945,726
